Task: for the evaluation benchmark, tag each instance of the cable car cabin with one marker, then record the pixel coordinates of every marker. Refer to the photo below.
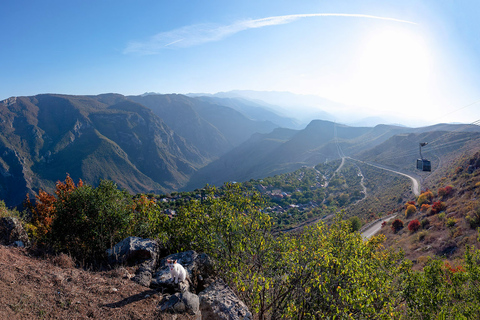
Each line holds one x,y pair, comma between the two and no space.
424,165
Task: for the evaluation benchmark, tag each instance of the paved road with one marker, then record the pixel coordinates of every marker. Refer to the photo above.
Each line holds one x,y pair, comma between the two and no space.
374,228
415,182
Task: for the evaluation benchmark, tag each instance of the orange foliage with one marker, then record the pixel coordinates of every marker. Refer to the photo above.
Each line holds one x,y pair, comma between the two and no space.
424,207
43,211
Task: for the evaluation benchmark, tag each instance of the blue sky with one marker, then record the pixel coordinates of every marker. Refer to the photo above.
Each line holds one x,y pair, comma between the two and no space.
417,59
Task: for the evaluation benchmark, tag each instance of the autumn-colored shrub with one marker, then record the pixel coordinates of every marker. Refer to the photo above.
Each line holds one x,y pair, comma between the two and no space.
414,225
397,225
409,203
43,211
424,207
445,192
438,206
425,198
411,209
384,223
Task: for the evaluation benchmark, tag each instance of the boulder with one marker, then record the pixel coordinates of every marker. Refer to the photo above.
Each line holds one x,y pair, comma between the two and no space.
185,303
12,232
198,266
219,302
133,250
136,250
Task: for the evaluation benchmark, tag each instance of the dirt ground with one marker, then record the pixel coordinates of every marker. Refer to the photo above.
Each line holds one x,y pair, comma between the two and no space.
52,288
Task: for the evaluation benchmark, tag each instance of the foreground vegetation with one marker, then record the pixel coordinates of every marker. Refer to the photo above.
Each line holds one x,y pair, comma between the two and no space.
327,272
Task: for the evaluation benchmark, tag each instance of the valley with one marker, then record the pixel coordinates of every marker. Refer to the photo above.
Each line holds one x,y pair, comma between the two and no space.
201,176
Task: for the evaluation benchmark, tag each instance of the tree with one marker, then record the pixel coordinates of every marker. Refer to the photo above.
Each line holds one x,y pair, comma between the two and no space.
43,211
91,220
356,223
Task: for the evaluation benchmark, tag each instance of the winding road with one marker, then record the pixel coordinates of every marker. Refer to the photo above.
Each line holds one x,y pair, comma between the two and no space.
376,226
415,182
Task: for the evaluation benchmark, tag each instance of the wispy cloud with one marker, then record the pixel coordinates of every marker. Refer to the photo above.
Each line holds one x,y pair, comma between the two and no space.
193,35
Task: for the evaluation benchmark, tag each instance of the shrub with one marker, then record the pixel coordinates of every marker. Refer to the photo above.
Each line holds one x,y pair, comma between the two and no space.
421,235
397,225
356,223
441,215
425,198
414,225
473,218
425,223
438,206
424,207
409,203
450,222
43,212
445,192
411,209
91,220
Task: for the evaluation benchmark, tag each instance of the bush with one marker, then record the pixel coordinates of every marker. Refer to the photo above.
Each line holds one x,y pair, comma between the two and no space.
425,198
43,212
438,206
409,203
445,192
411,209
397,225
414,225
450,222
425,223
90,220
473,218
424,207
422,234
356,223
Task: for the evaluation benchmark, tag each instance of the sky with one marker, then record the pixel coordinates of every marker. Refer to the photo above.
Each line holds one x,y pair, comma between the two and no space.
410,59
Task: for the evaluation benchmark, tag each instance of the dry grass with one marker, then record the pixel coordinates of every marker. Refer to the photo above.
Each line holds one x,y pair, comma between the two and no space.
52,288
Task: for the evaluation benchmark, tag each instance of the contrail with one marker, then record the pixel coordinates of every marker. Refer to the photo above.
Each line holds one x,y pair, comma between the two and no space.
193,35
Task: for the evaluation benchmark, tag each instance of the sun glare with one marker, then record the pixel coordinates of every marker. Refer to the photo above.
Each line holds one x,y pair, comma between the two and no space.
393,71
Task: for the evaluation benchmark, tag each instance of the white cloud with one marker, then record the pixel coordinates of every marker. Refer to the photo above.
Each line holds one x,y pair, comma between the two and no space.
193,35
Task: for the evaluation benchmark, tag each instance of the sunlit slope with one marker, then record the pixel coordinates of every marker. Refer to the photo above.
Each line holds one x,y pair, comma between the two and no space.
211,127
42,138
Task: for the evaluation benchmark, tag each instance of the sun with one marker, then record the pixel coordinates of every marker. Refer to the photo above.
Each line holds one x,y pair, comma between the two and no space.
393,70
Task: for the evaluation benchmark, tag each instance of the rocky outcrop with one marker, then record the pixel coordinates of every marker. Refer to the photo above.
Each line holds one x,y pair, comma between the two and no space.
215,300
181,303
138,251
132,250
219,302
198,266
12,232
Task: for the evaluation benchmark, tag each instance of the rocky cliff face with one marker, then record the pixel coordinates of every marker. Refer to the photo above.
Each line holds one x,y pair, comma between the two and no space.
42,138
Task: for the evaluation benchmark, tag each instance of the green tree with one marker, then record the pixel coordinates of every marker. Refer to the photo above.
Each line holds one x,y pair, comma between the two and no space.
91,220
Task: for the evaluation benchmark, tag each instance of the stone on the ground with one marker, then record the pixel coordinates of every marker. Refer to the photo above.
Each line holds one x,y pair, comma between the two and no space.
219,302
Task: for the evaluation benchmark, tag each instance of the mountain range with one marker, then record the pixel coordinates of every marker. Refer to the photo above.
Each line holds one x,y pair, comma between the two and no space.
158,143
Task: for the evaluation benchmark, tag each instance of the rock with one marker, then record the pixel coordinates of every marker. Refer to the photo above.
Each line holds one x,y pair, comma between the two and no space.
185,303
198,266
132,250
135,250
218,301
12,232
